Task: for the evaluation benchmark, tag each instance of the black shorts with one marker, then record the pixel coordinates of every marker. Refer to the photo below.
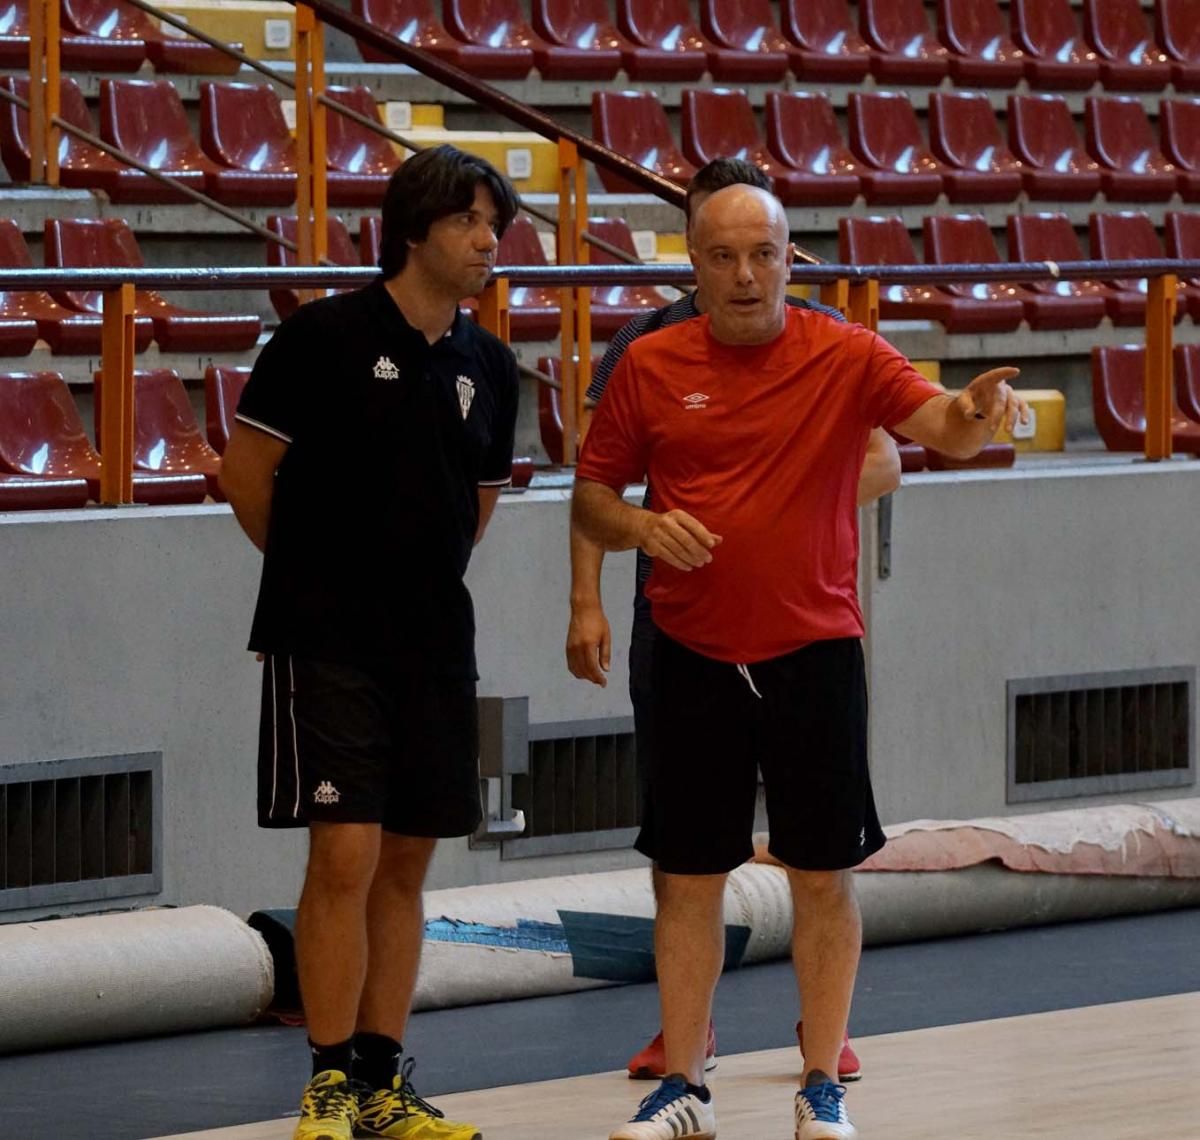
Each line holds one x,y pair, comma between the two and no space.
347,744
801,718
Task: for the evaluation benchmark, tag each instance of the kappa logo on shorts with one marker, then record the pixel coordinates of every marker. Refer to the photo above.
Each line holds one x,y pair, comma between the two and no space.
695,400
385,369
326,793
466,393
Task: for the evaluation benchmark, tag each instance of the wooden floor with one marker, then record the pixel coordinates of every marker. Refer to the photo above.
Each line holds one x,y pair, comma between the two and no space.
1127,1071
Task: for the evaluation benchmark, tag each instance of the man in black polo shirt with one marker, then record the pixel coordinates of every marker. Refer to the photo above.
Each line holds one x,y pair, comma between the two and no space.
372,441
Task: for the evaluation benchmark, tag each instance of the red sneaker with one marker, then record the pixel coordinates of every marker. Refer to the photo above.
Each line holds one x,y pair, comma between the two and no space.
651,1063
849,1067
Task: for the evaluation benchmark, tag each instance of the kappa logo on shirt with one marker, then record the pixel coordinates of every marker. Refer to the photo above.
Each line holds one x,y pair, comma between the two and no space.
696,400
385,369
466,393
326,793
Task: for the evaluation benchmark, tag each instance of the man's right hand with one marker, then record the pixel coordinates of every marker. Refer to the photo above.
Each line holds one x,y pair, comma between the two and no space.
677,538
589,644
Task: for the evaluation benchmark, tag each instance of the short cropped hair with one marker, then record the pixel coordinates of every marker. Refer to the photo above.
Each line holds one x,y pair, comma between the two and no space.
723,172
431,185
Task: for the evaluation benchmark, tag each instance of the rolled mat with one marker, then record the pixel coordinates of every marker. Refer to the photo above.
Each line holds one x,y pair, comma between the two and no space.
114,976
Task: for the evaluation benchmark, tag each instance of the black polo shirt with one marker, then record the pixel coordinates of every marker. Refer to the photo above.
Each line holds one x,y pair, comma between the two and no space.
376,501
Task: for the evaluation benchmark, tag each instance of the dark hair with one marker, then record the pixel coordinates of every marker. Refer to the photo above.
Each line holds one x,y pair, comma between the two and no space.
431,185
722,172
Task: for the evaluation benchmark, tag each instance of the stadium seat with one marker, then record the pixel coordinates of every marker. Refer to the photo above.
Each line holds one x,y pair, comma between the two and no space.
719,123
414,22
963,238
339,251
25,482
614,305
243,131
1177,29
1187,380
1119,402
633,123
110,243
981,50
1130,60
1120,138
14,33
89,42
659,23
550,425
964,134
992,455
1059,304
913,456
115,22
222,390
666,50
584,26
18,324
1181,228
41,434
1179,129
1042,134
533,310
502,23
370,238
1130,236
360,161
802,132
826,43
748,27
906,50
1056,55
897,164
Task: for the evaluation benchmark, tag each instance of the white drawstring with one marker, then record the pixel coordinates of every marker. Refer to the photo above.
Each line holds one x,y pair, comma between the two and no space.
744,670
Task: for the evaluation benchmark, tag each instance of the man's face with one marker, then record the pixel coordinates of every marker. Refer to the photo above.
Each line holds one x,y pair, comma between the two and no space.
458,255
740,250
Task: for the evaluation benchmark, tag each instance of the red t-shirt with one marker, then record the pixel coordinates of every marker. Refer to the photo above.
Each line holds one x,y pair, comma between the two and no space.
764,445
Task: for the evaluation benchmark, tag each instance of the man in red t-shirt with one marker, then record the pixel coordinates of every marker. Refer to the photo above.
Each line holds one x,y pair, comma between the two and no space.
752,422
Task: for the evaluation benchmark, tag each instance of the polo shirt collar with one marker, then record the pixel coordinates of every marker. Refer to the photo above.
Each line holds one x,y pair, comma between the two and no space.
457,336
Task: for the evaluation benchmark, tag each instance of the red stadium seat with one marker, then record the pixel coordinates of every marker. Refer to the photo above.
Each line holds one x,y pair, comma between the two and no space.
25,483
982,52
614,305
1130,236
666,50
1120,138
662,22
243,131
222,390
1119,402
360,161
992,455
1179,127
1181,228
370,239
18,325
1130,60
802,132
91,42
550,424
110,242
748,27
584,26
14,33
1056,55
897,164
913,456
1178,33
502,23
339,251
718,123
1059,304
964,134
533,310
1042,135
118,23
633,123
827,44
966,238
1187,380
906,50
41,434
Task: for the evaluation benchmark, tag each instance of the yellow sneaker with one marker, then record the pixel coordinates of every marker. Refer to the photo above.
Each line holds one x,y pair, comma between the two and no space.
399,1114
328,1109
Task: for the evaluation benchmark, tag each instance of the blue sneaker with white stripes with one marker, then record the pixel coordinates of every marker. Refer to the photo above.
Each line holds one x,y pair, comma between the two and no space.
821,1114
671,1112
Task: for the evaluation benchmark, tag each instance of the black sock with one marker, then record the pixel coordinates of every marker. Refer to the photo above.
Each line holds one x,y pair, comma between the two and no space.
700,1092
376,1059
337,1057
817,1077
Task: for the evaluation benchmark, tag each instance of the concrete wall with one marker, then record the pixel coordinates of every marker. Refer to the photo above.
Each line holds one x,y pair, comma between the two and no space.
123,632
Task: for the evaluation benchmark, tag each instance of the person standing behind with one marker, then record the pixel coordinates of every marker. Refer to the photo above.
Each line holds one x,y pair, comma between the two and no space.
371,444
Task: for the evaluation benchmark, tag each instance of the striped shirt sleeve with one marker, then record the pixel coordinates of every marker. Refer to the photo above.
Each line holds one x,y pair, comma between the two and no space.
625,336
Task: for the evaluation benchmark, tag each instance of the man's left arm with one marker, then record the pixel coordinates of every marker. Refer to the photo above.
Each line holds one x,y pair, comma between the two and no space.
960,426
881,468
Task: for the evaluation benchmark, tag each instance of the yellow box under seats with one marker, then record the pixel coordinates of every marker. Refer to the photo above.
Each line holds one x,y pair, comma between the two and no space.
266,29
1047,427
529,161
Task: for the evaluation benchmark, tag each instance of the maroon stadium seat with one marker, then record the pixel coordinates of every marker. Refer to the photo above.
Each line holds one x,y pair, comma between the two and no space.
982,52
222,390
584,26
1130,236
1060,304
110,242
1178,33
339,251
18,323
370,239
502,23
897,164
667,50
41,434
550,422
1056,54
748,27
1119,402
965,238
633,123
964,134
1181,228
992,455
118,23
827,44
1179,127
1120,138
360,161
614,305
243,131
14,33
1042,135
906,50
533,310
660,22
913,456
91,42
1187,380
802,132
1119,32
27,481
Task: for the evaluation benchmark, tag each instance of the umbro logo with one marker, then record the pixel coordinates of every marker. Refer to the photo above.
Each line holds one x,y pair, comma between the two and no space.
695,400
326,793
385,369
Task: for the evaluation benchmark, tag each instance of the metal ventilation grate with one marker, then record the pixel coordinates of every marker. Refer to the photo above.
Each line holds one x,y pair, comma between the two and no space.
1100,733
79,830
